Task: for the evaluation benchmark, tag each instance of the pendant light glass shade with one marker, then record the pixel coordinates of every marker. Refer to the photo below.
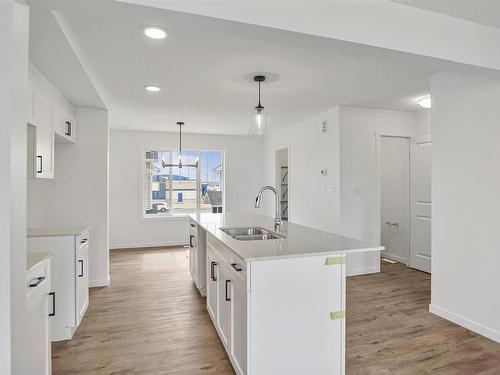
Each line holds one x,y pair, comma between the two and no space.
259,125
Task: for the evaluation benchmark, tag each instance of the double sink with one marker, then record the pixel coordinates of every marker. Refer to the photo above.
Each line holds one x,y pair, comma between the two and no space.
251,234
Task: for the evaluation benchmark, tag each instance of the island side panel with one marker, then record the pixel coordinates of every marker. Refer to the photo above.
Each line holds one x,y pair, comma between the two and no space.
296,316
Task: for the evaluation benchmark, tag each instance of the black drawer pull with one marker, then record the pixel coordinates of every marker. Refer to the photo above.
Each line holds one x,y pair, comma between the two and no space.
53,295
212,271
81,272
236,267
41,164
84,241
227,298
68,128
35,282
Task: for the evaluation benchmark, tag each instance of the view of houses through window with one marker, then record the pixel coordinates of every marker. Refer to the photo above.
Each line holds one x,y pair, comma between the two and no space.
174,190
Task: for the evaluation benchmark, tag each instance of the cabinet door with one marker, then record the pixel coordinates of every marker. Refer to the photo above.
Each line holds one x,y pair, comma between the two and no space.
38,337
82,282
224,308
64,127
44,140
193,258
239,328
212,290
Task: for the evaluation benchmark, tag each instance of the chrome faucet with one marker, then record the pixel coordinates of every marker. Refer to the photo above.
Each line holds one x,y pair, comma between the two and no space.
277,217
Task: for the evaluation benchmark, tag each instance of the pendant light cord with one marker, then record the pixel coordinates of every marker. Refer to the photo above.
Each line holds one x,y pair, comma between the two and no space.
259,95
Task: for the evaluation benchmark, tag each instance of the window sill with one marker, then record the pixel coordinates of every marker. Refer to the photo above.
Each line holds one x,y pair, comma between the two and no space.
174,217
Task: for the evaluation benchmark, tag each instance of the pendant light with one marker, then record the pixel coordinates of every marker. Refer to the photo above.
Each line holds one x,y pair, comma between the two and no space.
259,119
179,160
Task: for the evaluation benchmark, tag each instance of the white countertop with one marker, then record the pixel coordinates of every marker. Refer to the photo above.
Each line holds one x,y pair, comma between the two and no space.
56,231
300,240
33,259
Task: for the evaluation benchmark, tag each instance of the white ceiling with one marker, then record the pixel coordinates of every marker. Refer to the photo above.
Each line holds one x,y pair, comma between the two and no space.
50,51
202,65
485,12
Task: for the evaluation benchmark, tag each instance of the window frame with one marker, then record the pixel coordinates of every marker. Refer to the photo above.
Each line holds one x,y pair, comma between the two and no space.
172,216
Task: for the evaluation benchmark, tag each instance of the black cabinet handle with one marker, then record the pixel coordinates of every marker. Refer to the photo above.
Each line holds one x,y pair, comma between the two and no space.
84,241
53,313
41,164
191,237
227,298
236,267
35,282
81,273
212,271
68,128
193,225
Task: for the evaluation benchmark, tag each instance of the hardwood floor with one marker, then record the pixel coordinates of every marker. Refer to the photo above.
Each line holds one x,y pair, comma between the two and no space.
151,320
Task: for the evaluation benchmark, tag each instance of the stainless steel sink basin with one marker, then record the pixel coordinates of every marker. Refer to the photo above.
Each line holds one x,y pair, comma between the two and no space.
251,233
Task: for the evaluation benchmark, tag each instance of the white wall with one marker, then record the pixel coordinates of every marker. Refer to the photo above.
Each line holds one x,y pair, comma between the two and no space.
14,25
466,202
423,122
309,152
78,195
243,178
360,210
348,150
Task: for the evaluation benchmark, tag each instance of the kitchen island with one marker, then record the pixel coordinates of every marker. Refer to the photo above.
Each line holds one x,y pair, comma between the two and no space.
278,304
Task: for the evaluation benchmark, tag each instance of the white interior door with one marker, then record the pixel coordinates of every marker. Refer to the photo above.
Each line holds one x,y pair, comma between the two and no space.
420,245
395,197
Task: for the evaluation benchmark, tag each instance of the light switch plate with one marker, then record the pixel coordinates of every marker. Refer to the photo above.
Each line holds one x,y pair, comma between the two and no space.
323,171
331,189
356,189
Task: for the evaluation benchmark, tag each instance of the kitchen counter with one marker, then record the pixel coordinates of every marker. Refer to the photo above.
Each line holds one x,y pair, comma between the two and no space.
56,231
299,240
34,259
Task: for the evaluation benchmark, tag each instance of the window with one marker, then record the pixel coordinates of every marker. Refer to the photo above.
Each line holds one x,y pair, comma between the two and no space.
172,190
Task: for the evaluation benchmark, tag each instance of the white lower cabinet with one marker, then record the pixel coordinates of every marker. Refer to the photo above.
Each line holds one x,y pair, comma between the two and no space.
38,342
212,288
70,279
239,327
197,256
278,315
82,281
224,307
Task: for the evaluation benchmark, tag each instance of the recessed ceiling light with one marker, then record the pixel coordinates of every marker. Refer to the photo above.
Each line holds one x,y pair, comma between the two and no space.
152,88
425,101
154,32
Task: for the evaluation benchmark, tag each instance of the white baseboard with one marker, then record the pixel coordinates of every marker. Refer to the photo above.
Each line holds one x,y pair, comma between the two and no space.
100,282
146,244
395,258
466,323
362,271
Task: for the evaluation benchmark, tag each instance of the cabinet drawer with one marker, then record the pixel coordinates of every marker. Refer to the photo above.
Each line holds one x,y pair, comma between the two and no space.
82,240
232,262
38,281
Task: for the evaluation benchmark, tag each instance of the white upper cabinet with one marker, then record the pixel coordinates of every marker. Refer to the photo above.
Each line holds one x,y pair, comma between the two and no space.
41,137
64,126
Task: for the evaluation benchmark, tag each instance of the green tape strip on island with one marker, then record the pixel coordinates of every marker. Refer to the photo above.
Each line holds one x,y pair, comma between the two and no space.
331,261
337,315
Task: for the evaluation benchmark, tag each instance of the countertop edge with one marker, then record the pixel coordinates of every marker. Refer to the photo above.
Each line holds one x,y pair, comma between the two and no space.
73,231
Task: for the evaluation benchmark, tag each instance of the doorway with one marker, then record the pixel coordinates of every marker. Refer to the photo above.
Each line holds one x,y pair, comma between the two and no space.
282,178
395,197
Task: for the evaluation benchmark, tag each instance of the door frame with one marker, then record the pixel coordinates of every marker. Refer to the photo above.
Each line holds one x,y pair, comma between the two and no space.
277,177
414,140
378,147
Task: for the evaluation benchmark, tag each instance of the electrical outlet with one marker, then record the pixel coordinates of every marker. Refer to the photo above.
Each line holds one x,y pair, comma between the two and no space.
324,127
331,189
